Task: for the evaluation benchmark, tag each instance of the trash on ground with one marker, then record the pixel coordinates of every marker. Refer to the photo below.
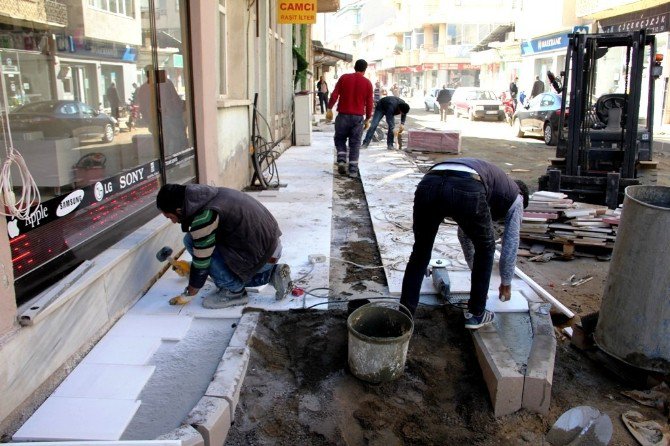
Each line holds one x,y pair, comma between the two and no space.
646,432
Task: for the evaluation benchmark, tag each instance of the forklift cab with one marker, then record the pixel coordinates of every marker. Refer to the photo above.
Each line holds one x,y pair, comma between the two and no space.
607,136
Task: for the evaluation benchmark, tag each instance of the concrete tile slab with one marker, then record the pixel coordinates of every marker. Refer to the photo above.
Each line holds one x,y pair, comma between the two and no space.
516,304
62,419
123,382
184,435
129,350
211,417
166,327
229,376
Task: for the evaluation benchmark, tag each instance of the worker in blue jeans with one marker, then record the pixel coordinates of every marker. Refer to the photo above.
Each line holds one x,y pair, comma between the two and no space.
389,107
473,193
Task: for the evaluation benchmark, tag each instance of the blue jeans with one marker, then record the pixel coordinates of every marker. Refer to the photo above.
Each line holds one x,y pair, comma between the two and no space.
464,200
222,275
376,119
348,127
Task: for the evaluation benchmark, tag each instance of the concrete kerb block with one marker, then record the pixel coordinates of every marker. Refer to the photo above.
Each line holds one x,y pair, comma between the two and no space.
212,418
229,376
500,371
540,369
186,434
245,329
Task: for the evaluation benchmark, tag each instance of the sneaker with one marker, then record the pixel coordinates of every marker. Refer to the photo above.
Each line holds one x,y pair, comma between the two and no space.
342,168
281,280
225,298
473,322
353,173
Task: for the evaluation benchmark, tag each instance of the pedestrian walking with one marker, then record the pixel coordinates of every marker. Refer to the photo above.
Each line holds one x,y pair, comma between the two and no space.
444,98
353,95
538,87
114,101
388,107
231,237
514,90
473,193
322,92
376,93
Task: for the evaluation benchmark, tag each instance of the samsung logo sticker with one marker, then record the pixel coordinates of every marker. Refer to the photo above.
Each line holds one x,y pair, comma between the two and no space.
70,203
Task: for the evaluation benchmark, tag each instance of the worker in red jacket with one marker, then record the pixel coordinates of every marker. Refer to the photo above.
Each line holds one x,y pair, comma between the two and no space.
353,95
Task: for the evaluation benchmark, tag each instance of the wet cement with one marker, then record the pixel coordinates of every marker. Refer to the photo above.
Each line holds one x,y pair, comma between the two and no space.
184,369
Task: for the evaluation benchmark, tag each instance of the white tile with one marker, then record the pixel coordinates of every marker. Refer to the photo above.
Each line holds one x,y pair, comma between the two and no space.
105,381
78,419
128,350
516,304
171,328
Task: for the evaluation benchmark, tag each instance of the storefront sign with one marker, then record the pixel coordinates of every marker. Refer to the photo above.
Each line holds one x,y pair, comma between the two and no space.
654,20
544,44
296,11
457,66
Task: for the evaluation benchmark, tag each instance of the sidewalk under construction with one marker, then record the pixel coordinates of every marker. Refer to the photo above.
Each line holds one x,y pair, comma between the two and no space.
174,375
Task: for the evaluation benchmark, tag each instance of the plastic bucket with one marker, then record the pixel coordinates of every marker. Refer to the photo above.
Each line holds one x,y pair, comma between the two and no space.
378,339
634,321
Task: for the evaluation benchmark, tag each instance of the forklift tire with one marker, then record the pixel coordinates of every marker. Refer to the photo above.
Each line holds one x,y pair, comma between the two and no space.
516,126
549,135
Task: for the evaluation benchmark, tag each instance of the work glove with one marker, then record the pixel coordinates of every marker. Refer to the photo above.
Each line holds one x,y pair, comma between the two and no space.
329,115
181,267
400,129
183,298
366,125
505,292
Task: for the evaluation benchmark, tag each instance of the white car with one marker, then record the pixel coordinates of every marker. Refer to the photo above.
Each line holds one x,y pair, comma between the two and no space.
477,103
430,100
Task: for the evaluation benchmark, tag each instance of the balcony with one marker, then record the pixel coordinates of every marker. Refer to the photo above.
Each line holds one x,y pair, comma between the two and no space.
56,12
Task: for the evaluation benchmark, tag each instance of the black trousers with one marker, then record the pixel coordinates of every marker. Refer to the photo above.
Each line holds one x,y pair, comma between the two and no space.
462,198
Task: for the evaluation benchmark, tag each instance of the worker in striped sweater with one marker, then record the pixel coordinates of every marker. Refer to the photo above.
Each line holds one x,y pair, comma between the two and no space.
231,237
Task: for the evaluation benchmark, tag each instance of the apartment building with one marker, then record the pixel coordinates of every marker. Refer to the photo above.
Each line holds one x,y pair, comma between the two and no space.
184,75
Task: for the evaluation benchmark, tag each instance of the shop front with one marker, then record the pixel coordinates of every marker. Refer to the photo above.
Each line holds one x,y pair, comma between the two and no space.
656,21
100,109
540,55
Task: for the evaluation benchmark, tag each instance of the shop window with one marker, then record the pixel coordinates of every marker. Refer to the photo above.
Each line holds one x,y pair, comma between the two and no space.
97,124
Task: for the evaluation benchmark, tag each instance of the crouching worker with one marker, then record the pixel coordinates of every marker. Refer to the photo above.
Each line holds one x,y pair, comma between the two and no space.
387,107
473,193
231,237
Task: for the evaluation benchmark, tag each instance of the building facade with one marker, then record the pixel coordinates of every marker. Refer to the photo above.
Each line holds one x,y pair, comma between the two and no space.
106,100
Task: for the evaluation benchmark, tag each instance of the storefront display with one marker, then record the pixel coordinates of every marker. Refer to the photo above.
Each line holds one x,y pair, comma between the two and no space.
99,107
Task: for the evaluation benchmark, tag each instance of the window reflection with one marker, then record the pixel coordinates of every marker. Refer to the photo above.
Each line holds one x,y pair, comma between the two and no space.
98,104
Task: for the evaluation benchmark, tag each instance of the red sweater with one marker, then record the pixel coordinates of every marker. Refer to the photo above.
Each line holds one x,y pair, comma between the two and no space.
354,92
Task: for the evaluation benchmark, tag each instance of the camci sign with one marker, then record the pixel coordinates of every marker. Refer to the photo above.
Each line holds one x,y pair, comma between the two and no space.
296,11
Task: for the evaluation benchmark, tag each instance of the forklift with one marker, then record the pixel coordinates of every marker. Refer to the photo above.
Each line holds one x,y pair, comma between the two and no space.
604,143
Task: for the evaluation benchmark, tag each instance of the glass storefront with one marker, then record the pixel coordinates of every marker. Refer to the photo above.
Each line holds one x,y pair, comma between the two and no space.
96,97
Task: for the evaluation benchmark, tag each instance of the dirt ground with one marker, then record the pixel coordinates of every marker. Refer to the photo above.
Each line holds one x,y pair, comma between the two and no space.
298,389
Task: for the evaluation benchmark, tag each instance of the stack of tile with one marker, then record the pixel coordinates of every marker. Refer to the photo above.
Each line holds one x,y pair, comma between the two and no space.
553,217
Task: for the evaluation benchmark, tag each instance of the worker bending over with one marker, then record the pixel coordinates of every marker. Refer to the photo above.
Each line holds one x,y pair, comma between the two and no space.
473,193
388,106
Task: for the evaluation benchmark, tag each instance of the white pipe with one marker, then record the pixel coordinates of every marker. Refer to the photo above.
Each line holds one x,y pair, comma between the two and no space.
543,293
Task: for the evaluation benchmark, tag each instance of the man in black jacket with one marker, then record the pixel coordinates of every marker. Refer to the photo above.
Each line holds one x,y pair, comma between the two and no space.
443,98
388,107
473,193
514,90
231,237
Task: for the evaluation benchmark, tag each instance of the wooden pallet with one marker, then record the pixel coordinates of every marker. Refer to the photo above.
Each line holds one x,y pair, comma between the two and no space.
567,247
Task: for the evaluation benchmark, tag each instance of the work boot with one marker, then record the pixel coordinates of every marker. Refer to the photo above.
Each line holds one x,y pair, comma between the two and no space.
364,145
390,147
225,298
353,172
341,167
281,280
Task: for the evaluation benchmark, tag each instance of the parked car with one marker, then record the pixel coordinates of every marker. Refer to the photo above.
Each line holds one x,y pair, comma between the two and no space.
63,119
477,103
539,117
430,100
